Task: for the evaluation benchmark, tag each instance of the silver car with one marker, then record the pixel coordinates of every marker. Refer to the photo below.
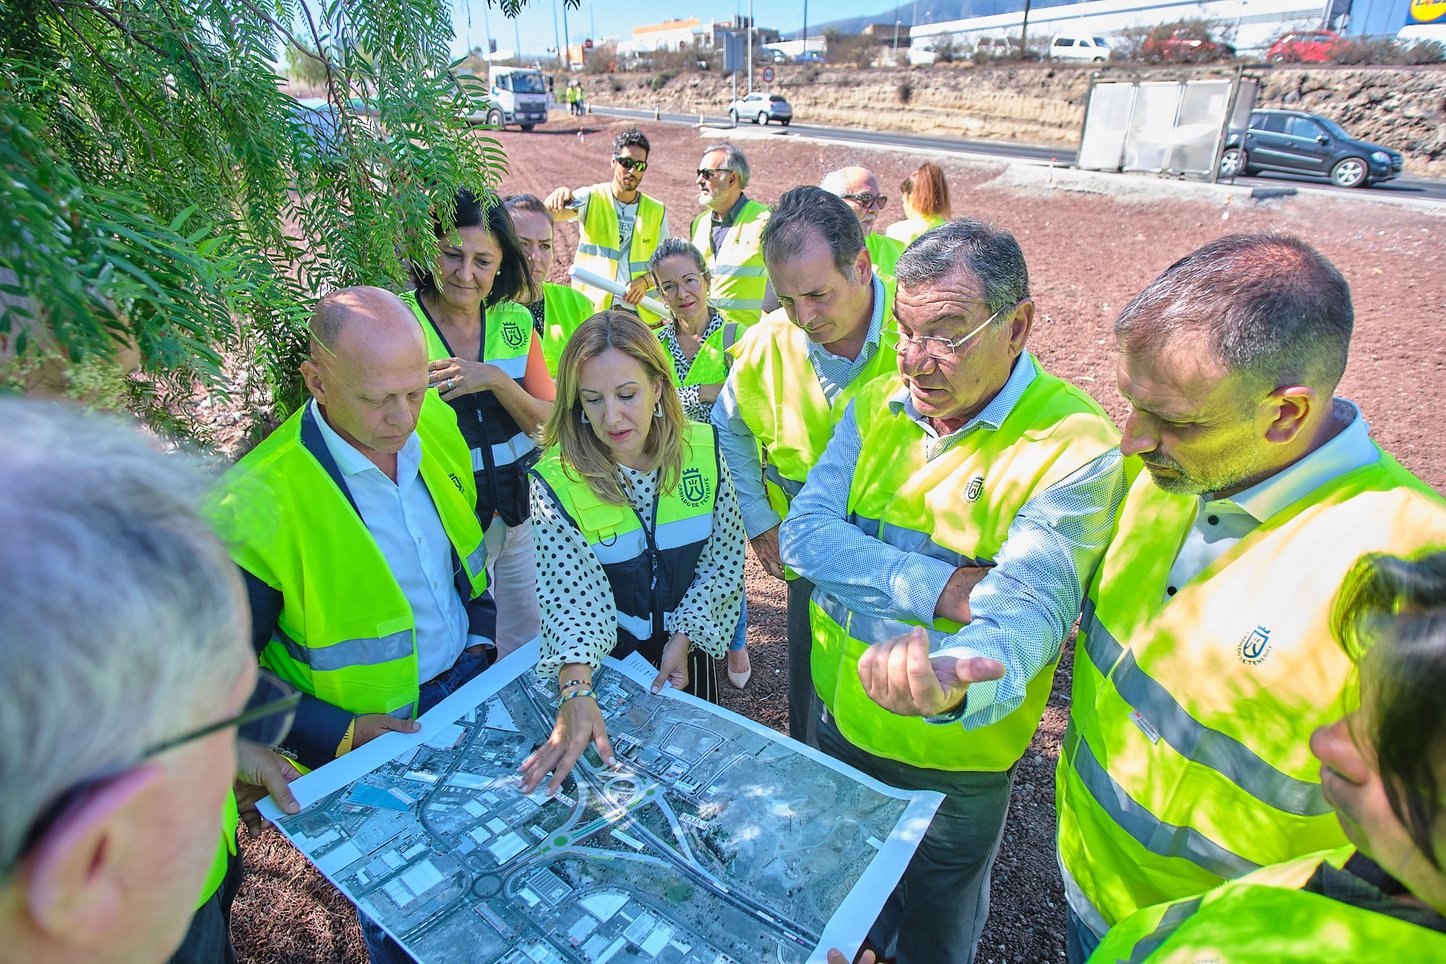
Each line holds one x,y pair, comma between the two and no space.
760,109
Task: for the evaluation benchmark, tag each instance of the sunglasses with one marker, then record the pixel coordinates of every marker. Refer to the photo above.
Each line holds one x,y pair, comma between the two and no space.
628,164
712,172
879,201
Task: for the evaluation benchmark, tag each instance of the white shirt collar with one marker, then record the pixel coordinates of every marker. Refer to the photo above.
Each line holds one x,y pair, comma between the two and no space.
1350,449
352,462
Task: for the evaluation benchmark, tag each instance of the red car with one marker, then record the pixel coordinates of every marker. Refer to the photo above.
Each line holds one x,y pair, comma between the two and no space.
1184,45
1304,47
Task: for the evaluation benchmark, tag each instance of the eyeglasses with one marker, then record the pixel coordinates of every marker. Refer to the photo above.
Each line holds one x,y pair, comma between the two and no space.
266,720
708,173
879,201
691,282
942,349
628,164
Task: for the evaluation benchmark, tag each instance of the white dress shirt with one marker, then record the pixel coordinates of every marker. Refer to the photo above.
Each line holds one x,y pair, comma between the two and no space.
404,522
1220,523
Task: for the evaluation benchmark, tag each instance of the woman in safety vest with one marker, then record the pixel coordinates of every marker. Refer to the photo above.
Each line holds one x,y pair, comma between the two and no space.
487,364
640,541
697,340
926,203
1383,771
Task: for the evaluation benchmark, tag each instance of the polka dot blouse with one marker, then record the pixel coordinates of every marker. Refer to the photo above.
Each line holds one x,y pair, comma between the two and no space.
579,619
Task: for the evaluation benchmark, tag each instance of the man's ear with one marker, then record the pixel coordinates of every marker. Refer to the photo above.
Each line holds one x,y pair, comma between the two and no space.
1020,324
1290,407
311,377
75,880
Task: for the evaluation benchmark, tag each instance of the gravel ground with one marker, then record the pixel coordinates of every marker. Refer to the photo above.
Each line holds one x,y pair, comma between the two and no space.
1088,253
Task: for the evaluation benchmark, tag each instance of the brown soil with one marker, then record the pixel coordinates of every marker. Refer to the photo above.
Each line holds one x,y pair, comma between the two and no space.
1089,253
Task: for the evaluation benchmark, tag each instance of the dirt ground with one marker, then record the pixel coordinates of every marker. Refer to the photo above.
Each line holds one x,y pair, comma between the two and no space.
1088,254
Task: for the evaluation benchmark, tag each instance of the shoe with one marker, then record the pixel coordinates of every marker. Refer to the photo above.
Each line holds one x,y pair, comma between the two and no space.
739,677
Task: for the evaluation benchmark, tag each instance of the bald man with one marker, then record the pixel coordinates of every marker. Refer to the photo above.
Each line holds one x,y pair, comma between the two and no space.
860,190
354,525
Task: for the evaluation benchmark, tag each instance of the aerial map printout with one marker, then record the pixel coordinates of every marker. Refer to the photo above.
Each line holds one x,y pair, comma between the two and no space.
713,839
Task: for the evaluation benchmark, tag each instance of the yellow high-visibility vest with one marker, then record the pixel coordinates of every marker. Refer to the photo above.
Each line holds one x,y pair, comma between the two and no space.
739,277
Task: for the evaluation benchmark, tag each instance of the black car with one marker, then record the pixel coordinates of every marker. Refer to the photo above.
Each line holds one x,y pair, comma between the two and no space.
1299,143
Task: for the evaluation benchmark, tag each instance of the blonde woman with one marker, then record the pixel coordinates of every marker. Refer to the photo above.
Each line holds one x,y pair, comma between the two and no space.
926,203
639,537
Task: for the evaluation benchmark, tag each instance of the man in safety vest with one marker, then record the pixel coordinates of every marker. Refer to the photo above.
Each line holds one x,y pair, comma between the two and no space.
621,226
556,309
1204,659
795,371
1383,897
860,190
950,527
126,684
729,232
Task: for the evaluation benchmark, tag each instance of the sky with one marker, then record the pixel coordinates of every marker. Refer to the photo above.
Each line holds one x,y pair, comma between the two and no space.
616,18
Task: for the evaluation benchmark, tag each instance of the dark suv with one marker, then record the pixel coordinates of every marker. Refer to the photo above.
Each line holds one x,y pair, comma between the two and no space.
1299,143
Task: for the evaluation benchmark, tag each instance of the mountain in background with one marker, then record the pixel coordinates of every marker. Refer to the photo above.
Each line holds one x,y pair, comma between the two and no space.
930,11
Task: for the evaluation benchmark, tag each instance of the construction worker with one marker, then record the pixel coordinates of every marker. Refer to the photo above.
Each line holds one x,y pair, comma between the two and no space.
621,230
860,189
355,526
1204,660
1384,896
794,372
969,496
729,233
556,309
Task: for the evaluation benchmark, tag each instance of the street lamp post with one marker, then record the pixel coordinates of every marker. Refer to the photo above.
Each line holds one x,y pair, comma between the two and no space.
896,38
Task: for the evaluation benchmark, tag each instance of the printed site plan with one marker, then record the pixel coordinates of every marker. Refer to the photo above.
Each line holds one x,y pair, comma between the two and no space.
713,839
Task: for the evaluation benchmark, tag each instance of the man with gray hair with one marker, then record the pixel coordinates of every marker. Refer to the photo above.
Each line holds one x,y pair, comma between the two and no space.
949,528
1204,659
729,232
127,675
860,190
794,372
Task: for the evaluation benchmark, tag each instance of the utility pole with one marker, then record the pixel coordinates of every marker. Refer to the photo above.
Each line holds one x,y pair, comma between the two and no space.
566,40
896,38
1024,32
805,26
555,39
750,45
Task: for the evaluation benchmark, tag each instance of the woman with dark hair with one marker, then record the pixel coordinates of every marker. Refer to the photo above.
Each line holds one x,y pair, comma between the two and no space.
1383,771
926,203
487,364
640,541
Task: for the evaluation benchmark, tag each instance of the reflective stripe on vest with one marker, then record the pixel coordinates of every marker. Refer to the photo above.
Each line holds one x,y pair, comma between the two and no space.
345,633
646,586
957,506
563,310
1188,759
505,453
1270,915
598,250
783,404
740,278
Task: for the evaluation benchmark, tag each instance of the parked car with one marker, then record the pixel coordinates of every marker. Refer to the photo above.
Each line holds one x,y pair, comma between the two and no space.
1304,47
761,108
1190,44
1295,142
922,53
772,55
810,57
1079,47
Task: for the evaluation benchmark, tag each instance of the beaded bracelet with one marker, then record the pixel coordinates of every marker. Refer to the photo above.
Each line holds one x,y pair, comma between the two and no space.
574,695
571,682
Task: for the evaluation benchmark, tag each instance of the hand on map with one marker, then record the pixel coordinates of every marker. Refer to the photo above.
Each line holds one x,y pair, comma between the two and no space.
673,669
899,675
372,725
262,772
836,956
579,722
636,289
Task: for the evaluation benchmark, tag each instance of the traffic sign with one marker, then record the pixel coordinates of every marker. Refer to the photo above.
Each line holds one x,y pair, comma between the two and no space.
768,75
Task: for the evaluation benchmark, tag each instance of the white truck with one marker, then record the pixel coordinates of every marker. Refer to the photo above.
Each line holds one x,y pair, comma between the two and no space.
517,95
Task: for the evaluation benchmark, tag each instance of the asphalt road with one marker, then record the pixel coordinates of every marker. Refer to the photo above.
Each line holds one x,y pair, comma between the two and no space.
1417,188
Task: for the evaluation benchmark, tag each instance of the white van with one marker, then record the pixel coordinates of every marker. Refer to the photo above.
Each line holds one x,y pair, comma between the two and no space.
1066,46
922,53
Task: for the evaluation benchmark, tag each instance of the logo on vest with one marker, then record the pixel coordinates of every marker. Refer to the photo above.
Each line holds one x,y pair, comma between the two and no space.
457,482
693,488
512,333
975,489
1255,646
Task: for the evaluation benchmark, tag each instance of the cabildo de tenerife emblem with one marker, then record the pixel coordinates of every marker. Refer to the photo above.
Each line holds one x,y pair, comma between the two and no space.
975,489
692,487
1255,646
512,333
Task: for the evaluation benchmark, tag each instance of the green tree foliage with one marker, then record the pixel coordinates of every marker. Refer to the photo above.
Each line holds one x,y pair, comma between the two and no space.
164,196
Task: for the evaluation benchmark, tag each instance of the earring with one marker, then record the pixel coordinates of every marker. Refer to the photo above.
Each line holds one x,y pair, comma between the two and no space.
658,410
582,417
